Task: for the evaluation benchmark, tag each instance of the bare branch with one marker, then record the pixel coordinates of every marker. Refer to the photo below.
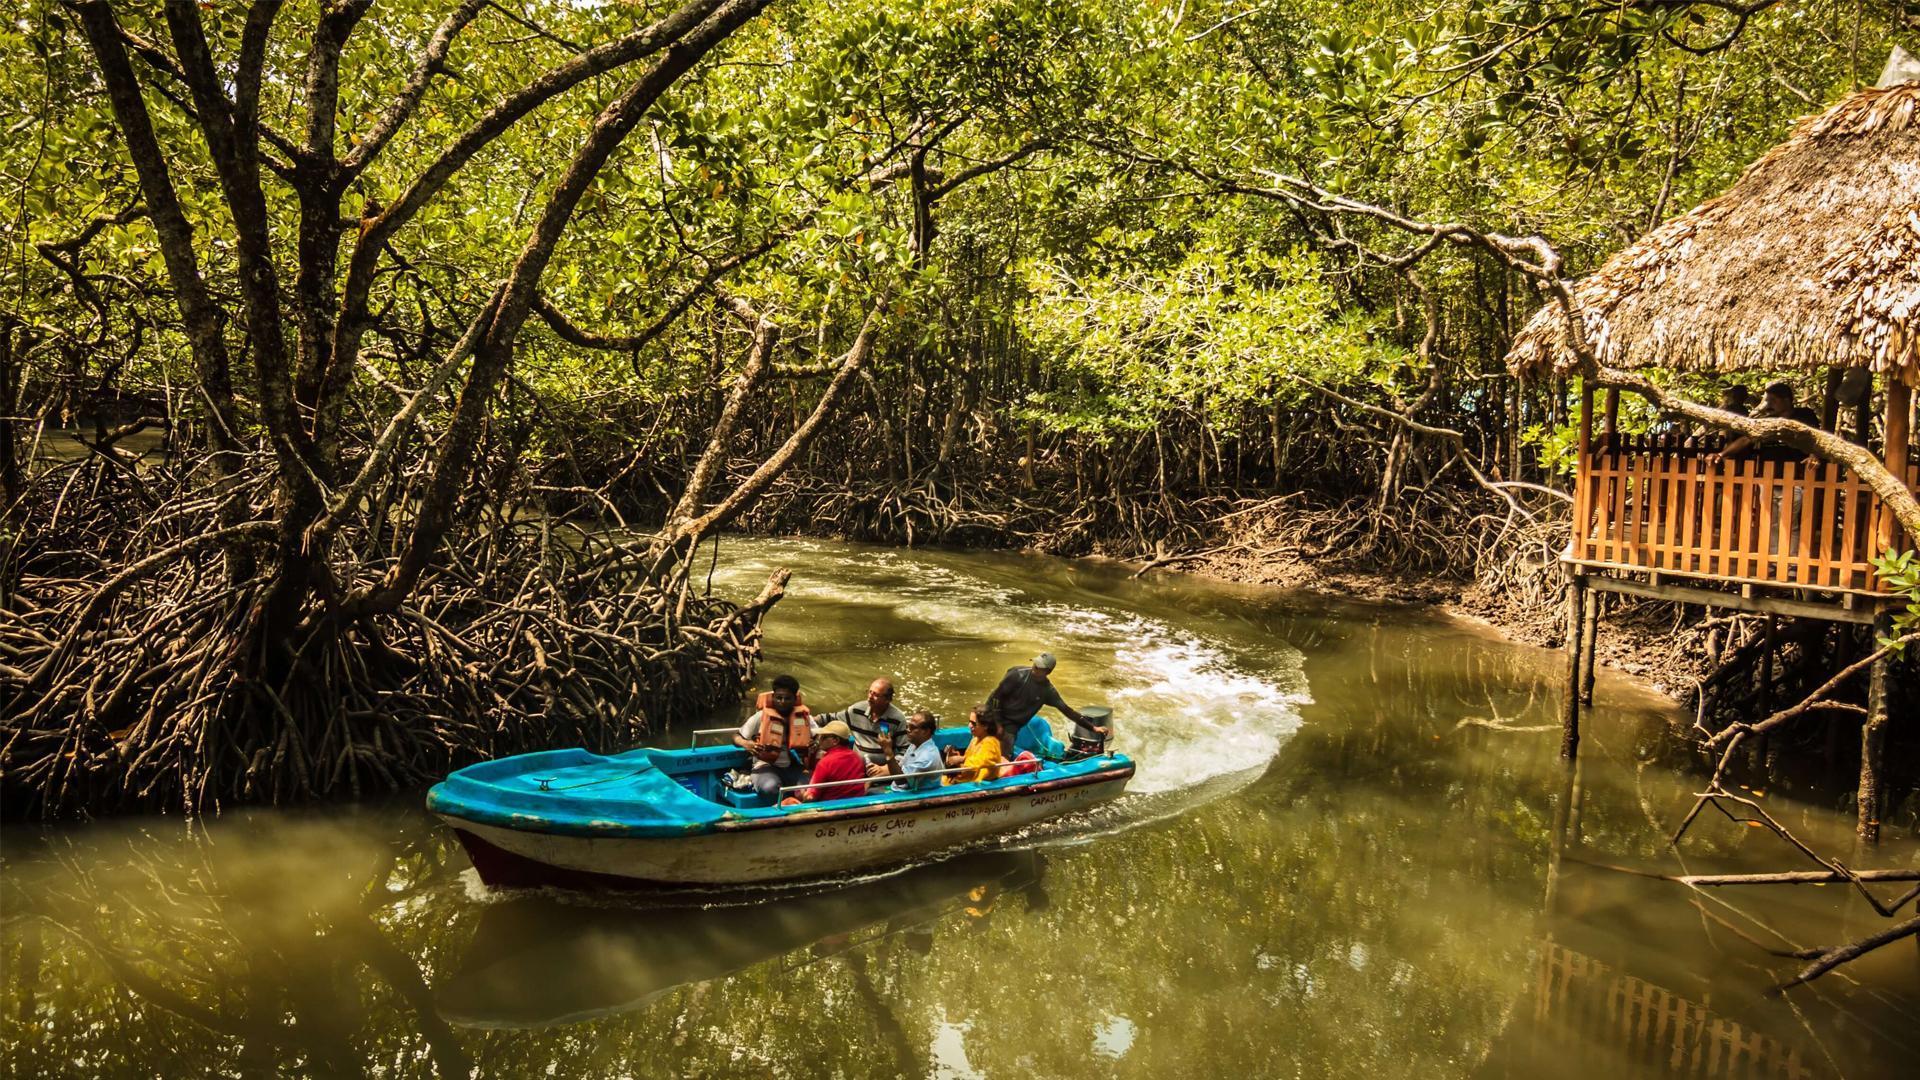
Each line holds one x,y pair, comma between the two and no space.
1841,954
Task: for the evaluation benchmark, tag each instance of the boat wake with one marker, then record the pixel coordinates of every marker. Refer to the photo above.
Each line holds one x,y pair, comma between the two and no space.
1201,717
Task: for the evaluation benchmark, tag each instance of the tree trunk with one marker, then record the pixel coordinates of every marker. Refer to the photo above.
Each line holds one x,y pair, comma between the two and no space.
453,465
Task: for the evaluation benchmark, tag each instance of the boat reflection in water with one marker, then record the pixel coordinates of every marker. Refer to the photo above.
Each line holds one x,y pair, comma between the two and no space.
545,960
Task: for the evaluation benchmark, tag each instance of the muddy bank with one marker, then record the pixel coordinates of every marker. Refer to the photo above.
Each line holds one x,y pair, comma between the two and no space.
1649,642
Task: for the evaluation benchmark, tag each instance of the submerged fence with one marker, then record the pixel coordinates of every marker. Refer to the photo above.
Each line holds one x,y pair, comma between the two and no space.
1587,1004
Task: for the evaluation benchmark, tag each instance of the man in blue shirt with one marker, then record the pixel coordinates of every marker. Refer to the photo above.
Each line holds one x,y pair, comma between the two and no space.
1018,700
922,756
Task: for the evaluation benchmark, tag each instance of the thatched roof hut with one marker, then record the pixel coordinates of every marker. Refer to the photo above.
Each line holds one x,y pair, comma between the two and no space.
1811,259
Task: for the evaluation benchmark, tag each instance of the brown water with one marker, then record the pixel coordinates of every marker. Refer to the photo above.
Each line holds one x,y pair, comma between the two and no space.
1348,853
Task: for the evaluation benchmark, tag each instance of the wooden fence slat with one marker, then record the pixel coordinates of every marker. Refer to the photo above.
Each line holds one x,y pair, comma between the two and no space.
1644,504
1689,518
1654,503
1621,553
1582,485
1603,505
1773,515
1749,520
1850,533
1659,507
1808,492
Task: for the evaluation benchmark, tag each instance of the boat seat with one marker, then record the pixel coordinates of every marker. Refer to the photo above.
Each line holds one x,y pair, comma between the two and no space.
745,800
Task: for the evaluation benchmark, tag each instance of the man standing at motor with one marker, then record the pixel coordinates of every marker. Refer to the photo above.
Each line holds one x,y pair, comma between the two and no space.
1017,701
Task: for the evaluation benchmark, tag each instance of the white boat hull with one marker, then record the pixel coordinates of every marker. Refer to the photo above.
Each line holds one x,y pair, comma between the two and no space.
804,844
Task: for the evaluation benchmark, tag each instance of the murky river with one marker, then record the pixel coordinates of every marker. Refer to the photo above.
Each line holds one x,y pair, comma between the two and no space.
1350,851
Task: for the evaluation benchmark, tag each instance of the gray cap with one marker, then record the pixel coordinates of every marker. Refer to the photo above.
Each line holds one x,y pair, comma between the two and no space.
1045,661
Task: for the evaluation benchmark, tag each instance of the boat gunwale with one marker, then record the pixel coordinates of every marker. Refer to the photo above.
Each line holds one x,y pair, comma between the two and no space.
1121,769
734,820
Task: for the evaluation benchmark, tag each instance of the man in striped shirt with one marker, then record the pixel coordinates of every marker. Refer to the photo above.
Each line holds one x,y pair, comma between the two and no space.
868,719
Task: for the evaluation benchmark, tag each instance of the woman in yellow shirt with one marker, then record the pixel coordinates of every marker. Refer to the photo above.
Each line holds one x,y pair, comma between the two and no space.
982,755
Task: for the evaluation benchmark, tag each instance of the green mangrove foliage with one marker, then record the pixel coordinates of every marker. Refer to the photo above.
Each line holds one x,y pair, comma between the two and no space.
327,328
1220,333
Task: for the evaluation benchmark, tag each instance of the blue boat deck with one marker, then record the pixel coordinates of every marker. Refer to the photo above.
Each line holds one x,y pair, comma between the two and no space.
649,792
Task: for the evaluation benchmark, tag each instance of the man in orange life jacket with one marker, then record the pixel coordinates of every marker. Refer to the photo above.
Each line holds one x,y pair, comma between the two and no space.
779,735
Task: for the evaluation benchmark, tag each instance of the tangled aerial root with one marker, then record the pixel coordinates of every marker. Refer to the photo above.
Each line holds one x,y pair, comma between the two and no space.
133,673
1446,531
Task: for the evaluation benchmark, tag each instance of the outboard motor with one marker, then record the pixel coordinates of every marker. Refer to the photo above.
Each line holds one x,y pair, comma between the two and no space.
1086,742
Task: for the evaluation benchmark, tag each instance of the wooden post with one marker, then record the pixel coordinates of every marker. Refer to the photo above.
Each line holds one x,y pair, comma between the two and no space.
1592,631
1612,423
1899,409
1766,664
1586,416
1873,735
1583,484
1830,403
1570,701
1757,748
1566,827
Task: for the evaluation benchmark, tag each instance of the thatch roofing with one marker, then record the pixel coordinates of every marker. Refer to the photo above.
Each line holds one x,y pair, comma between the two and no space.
1810,259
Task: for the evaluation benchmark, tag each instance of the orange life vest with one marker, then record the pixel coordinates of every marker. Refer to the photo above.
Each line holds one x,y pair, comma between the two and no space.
797,729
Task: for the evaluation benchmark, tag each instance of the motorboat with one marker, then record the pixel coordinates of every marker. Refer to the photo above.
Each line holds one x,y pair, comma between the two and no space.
652,816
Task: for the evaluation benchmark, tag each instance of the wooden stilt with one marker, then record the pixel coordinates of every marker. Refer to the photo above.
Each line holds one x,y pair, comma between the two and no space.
1873,736
1566,827
1765,696
1570,701
1757,748
1587,661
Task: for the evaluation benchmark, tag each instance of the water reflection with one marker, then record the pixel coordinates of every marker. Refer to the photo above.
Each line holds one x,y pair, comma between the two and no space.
547,960
1364,859
260,944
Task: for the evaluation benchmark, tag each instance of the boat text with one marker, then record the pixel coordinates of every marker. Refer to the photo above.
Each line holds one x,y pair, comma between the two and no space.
867,828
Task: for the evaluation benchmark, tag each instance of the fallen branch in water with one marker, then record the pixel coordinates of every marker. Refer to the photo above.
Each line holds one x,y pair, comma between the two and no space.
1733,733
1791,877
1828,959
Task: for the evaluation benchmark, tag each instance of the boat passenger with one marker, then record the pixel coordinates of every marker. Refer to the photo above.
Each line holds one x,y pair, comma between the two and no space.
982,756
922,754
838,762
1017,701
870,719
778,735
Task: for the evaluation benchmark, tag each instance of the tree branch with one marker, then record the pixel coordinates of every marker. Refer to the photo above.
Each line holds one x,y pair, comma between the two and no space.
454,461
432,62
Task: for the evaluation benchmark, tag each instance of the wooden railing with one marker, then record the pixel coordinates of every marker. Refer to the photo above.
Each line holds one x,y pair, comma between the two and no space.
1654,503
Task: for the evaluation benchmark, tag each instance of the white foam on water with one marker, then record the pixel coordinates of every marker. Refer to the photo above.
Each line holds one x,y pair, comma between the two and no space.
1188,710
1187,714
1113,1037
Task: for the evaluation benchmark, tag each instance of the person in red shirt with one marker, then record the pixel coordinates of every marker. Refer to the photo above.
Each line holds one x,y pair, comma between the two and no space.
838,761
